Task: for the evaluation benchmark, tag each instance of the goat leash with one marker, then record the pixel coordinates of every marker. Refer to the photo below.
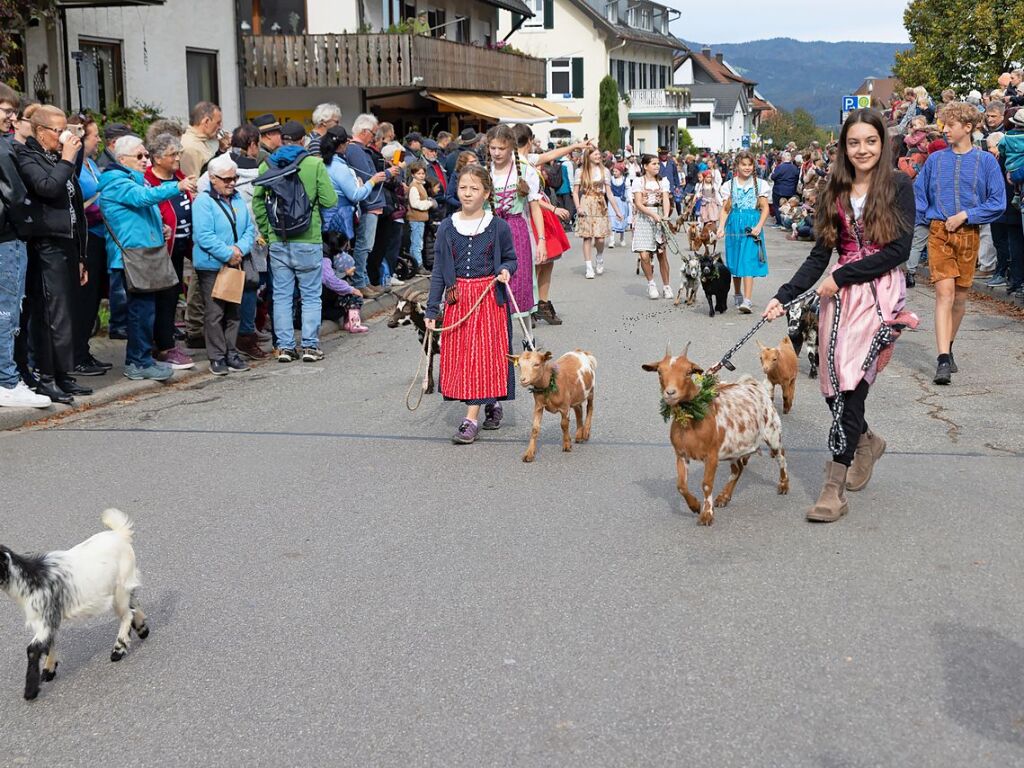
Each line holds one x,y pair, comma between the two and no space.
836,433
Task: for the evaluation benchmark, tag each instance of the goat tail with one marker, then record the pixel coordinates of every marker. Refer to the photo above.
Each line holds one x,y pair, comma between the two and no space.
118,522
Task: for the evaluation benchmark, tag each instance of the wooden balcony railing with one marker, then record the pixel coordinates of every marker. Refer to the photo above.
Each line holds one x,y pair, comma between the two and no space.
385,61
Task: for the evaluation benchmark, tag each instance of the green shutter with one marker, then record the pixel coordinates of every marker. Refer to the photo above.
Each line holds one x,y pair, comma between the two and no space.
577,78
517,19
549,14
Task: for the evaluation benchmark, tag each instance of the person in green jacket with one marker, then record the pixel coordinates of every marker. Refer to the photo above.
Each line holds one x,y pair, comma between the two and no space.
297,259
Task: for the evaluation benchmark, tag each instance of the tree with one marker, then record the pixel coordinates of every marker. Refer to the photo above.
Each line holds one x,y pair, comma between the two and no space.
797,126
608,134
960,44
14,18
686,143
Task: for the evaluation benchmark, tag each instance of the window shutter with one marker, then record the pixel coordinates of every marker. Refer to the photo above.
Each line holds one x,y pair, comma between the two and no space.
577,78
517,19
549,14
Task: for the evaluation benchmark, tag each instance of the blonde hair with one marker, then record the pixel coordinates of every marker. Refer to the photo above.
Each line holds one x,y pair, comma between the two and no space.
960,112
41,114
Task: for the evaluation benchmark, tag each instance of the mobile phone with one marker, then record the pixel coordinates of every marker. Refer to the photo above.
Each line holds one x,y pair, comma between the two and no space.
399,157
64,136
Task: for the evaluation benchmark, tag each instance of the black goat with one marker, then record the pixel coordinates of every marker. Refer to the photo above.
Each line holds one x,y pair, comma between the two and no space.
715,278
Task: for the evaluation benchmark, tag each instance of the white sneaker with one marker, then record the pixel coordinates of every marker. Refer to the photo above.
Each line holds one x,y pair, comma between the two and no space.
590,272
599,269
667,293
20,396
611,241
746,307
395,282
652,291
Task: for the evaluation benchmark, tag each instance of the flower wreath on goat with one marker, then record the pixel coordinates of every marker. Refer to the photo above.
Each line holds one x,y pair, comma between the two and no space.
695,409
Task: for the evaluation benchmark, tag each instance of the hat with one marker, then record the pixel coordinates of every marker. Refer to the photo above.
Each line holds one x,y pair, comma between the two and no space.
431,144
1017,118
468,137
266,123
293,131
343,262
339,133
414,136
975,95
114,131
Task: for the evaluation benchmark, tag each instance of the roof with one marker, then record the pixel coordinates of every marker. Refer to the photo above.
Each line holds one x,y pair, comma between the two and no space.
724,95
719,72
881,91
596,10
516,6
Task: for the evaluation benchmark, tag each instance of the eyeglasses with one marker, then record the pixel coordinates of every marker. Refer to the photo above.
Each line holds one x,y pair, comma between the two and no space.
8,112
227,179
58,131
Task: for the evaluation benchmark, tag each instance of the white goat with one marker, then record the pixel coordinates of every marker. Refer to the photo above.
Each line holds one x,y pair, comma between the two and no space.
89,579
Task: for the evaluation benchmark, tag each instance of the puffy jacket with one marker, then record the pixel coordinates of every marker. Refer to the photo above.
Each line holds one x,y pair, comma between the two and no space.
15,216
130,209
53,194
319,190
212,234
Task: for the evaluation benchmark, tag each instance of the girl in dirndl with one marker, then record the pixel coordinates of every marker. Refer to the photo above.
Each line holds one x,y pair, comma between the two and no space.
516,200
620,191
592,193
472,248
746,209
867,213
651,206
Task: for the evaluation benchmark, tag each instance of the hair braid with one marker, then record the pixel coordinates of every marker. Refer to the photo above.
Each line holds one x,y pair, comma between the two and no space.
522,187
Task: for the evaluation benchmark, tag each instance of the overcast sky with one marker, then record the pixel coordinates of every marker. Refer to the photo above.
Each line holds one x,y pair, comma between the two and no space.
736,21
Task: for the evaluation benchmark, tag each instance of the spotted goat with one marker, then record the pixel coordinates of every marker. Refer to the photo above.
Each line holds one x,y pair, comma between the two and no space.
558,387
802,321
737,419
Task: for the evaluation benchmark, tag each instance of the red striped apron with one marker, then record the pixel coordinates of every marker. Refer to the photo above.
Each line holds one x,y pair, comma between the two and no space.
474,362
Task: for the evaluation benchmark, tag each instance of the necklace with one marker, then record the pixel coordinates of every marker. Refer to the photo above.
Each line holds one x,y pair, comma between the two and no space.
483,218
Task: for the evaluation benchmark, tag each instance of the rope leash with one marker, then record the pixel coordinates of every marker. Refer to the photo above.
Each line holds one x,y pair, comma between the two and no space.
836,433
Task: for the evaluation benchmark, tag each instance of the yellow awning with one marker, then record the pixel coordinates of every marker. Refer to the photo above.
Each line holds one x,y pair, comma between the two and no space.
560,111
498,108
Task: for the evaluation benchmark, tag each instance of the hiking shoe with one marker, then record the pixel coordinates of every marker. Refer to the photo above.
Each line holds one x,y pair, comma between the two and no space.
287,355
870,448
546,312
997,281
249,346
493,414
312,354
153,372
943,373
20,396
652,291
466,433
236,364
176,359
746,307
219,367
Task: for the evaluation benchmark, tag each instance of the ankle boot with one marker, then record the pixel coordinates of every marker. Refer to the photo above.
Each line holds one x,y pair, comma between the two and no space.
248,344
870,448
355,322
831,504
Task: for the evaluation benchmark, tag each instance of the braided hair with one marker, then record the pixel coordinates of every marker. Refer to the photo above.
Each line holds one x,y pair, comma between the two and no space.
505,135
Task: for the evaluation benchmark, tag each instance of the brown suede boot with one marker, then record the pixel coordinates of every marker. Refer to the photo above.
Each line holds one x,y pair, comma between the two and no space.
831,504
869,450
248,344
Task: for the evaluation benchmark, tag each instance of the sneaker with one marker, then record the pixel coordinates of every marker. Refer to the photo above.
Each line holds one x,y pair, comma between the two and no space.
219,367
287,355
312,354
737,300
952,363
93,361
611,244
746,307
88,369
911,280
493,414
997,281
667,292
236,364
590,272
153,372
176,359
943,373
599,269
195,342
466,433
652,291
395,282
20,396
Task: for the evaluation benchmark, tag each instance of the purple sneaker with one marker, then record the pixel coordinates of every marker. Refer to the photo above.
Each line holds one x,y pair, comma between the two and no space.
176,359
493,414
466,433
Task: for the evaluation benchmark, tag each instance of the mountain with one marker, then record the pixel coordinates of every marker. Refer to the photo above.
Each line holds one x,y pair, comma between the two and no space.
812,75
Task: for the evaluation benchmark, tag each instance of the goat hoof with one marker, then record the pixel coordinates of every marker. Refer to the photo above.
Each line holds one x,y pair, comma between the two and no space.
143,632
705,519
527,458
31,694
722,501
116,655
48,675
784,488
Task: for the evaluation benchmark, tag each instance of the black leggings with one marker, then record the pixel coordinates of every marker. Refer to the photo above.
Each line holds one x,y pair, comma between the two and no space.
854,423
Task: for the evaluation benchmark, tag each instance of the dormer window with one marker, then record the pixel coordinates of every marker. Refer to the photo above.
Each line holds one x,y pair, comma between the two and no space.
611,12
645,18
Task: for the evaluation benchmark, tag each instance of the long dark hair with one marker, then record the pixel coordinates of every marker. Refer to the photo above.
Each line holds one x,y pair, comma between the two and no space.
329,144
883,220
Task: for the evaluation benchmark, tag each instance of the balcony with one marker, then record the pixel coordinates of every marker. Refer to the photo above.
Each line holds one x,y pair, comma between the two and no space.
385,61
657,103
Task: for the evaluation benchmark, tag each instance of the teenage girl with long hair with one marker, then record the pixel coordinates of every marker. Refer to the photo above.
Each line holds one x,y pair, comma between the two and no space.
651,205
866,212
592,193
746,209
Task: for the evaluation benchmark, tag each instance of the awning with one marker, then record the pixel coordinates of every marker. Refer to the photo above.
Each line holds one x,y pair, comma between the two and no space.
560,111
73,4
497,108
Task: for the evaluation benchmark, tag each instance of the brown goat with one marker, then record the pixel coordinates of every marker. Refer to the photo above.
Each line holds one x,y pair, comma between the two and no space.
558,387
781,367
739,418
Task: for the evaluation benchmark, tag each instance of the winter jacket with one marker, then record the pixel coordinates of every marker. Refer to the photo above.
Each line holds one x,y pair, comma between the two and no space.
129,207
15,215
54,196
350,194
362,162
213,238
319,190
1011,150
89,181
167,211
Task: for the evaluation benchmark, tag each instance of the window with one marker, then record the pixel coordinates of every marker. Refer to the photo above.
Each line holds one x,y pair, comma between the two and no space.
645,18
632,75
283,17
437,20
101,75
644,83
488,33
699,120
460,30
537,20
560,77
560,134
201,74
620,75
611,12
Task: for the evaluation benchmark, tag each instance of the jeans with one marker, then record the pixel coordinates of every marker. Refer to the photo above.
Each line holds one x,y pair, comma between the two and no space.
13,263
291,263
416,229
141,318
247,309
118,303
366,234
917,248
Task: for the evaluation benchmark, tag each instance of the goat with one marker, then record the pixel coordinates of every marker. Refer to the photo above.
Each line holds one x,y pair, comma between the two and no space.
411,309
689,278
738,417
715,278
802,320
558,387
89,579
704,237
780,367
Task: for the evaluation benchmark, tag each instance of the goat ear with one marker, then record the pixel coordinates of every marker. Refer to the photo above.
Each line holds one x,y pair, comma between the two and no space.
547,356
514,359
651,366
696,369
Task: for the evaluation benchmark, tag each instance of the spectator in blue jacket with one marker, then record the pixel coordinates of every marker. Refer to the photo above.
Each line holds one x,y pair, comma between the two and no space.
351,190
223,233
130,209
785,179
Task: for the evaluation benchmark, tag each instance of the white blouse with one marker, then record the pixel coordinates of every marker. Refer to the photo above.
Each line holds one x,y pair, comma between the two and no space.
470,227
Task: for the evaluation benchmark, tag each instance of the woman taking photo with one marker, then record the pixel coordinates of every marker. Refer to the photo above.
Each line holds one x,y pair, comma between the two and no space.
867,214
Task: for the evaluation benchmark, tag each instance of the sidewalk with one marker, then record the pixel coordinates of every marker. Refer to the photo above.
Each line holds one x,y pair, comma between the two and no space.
114,386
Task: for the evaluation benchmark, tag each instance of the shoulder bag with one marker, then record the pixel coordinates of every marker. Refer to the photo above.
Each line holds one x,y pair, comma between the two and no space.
146,270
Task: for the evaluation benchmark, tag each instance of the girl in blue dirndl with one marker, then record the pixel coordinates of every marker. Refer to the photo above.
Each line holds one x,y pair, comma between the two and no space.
745,211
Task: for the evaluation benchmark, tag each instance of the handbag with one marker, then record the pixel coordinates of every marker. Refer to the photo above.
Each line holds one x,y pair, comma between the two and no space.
252,276
146,270
229,285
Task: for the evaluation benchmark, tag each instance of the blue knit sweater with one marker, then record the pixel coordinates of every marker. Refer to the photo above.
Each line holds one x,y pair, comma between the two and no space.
950,183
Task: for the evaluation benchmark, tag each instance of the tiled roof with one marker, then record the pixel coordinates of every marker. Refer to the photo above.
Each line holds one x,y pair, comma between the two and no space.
721,73
725,96
595,8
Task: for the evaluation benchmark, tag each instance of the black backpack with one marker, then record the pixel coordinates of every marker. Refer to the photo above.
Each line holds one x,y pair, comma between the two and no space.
288,206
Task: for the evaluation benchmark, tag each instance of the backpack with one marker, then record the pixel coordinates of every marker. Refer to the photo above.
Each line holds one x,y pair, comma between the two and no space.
288,207
1011,150
911,164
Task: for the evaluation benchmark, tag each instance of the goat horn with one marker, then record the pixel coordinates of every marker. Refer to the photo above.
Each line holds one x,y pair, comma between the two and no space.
686,349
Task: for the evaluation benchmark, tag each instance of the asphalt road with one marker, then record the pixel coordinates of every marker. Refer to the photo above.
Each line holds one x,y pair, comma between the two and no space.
330,582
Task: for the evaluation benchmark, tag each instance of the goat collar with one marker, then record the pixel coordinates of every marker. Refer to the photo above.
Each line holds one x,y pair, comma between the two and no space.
552,386
696,409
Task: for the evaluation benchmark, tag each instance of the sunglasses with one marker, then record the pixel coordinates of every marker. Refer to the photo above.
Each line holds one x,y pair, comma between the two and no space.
142,156
228,179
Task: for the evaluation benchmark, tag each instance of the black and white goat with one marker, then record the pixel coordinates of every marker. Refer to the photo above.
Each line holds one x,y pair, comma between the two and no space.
802,321
90,579
411,310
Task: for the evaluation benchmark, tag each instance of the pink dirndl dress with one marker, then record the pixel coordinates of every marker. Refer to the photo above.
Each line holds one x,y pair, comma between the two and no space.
859,315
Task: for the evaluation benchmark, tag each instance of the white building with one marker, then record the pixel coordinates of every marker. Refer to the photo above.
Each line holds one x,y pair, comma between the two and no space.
582,41
116,53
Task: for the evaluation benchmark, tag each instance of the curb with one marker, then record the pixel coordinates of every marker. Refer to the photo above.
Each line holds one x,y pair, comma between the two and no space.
19,418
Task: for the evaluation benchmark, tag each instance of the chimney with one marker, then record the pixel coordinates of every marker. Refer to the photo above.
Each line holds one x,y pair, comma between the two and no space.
705,52
720,58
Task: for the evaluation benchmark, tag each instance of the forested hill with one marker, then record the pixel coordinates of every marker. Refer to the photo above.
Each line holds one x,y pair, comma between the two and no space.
812,75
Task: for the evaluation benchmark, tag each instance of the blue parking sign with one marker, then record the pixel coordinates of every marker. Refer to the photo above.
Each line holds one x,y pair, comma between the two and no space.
849,103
